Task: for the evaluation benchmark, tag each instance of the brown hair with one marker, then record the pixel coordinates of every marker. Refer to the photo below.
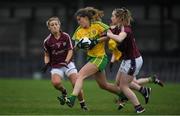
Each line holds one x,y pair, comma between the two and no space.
83,13
92,13
95,13
124,15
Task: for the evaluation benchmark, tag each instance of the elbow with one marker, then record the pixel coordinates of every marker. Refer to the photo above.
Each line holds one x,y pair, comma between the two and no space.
118,40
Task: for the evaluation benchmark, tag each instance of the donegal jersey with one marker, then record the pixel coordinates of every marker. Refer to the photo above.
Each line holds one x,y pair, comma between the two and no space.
93,32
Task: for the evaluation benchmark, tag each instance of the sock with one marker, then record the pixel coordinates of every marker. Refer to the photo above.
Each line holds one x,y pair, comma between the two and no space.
138,107
72,97
82,103
64,93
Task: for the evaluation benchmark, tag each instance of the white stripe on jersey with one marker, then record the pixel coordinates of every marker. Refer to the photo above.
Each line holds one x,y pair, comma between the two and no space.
69,38
45,41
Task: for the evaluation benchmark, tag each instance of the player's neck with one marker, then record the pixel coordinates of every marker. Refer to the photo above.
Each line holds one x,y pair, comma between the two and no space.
57,35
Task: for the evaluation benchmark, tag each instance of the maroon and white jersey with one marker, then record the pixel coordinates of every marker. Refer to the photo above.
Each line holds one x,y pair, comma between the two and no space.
57,48
128,46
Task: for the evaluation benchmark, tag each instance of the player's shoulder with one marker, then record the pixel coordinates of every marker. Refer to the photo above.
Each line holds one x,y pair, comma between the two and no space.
100,23
96,23
66,34
47,38
77,29
127,29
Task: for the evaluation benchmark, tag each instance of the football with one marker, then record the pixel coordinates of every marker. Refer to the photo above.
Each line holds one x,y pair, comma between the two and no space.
84,43
86,40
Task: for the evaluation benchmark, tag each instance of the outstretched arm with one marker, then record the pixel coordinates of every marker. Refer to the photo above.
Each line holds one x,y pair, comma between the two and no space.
119,38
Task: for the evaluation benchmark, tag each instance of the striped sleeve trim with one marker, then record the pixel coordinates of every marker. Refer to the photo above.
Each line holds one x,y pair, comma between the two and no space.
47,38
74,35
69,39
106,27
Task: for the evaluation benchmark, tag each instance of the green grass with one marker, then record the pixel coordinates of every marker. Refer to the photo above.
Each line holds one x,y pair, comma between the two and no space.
38,97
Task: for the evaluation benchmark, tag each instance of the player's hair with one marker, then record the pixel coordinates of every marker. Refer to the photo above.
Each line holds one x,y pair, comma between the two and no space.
124,15
52,19
95,13
92,13
83,13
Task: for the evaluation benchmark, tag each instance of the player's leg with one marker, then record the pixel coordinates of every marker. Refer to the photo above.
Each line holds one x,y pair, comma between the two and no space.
126,73
150,79
56,75
83,105
103,84
86,71
124,86
71,73
113,88
145,91
100,76
122,99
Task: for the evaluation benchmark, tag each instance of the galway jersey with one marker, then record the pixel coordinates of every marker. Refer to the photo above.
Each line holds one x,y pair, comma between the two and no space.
128,46
93,32
57,48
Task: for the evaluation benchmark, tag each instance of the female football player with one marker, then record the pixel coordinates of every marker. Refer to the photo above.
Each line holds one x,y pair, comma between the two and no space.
58,55
96,56
131,57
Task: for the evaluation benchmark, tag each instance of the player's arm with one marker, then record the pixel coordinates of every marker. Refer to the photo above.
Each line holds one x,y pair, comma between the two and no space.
69,56
101,39
119,38
46,57
70,50
46,62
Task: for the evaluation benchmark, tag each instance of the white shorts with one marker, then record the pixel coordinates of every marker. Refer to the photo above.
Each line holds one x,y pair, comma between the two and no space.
131,67
63,70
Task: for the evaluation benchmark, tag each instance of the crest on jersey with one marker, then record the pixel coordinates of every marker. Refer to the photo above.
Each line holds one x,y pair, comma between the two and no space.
58,44
94,32
64,43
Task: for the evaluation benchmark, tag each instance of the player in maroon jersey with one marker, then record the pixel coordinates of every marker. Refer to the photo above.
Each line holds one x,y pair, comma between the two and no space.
146,79
58,55
136,84
131,57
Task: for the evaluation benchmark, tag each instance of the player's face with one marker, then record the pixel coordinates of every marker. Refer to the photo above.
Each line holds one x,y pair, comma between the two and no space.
83,21
114,19
54,26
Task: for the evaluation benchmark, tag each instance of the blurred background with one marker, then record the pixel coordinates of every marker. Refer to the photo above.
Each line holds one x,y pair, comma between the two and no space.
23,30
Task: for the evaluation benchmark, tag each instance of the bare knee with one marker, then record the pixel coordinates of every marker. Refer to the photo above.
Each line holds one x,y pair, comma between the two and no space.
56,81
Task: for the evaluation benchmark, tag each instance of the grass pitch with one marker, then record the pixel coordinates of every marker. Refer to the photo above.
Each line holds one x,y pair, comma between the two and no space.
38,97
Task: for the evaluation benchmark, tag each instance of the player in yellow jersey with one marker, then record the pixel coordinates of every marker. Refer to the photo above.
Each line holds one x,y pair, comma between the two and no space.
97,58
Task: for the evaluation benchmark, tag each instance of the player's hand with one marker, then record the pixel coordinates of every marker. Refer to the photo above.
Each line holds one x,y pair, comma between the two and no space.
103,34
79,44
45,67
93,43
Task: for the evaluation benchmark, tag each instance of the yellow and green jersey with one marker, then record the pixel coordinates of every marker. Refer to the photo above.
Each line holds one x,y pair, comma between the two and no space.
93,32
